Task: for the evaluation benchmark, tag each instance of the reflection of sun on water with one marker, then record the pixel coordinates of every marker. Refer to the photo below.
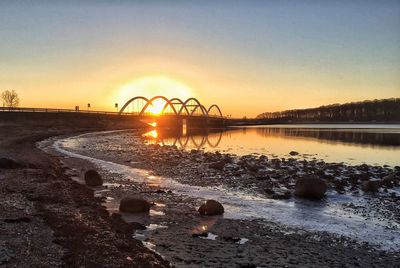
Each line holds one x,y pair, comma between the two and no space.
151,134
204,226
154,181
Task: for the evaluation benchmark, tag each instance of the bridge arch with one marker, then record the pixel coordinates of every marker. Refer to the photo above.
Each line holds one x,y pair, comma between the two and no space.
203,110
130,101
216,107
172,103
198,104
149,102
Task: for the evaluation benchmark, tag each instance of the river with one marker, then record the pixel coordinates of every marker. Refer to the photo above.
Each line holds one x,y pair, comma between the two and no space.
351,144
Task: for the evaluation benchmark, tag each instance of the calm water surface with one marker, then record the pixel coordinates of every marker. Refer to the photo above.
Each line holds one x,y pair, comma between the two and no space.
351,144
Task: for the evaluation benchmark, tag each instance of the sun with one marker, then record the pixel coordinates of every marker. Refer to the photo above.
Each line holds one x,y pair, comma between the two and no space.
150,86
156,106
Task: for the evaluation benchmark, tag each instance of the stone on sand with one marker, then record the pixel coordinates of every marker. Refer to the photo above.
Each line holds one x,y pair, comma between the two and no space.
134,205
210,208
371,186
93,178
310,187
389,180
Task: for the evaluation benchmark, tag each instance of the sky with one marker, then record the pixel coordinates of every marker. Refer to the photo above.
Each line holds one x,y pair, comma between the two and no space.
248,57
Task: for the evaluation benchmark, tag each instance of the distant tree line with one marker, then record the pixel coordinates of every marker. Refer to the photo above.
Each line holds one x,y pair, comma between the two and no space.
369,110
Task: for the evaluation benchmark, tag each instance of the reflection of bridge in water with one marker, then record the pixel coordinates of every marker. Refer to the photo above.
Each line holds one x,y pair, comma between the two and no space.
193,139
227,138
174,112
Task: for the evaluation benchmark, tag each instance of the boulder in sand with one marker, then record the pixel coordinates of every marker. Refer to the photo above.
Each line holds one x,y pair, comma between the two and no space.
389,180
211,207
93,178
134,205
371,186
310,187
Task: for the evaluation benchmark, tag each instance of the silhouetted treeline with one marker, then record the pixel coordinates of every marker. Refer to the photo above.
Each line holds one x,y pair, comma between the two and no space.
370,110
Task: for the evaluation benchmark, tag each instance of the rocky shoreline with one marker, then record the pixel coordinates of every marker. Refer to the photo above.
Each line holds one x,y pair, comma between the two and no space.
272,178
49,220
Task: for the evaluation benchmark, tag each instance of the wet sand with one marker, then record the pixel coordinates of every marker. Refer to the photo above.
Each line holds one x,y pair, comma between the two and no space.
174,223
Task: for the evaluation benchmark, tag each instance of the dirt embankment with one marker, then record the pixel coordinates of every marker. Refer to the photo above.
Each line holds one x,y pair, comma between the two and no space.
47,219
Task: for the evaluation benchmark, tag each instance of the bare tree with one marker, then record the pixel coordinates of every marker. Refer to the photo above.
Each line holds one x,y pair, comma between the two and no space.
10,98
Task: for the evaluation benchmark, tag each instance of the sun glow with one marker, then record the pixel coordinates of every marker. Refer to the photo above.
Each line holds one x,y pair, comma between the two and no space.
150,86
156,107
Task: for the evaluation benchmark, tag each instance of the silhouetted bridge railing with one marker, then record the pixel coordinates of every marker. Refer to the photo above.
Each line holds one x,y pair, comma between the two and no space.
56,110
51,110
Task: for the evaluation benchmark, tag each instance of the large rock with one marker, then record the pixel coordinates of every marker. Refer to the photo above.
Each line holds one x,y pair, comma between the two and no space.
310,187
217,165
371,186
6,163
210,208
93,178
389,180
134,205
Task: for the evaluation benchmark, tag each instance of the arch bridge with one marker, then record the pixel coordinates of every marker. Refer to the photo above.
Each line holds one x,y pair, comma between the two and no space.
170,112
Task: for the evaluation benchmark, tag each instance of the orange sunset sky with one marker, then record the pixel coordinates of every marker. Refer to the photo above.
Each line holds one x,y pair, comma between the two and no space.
248,57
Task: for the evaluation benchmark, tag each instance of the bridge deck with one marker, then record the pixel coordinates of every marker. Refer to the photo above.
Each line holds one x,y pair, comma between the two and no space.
55,110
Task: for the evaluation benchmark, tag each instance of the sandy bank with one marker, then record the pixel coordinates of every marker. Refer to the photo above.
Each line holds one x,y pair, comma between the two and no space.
49,220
